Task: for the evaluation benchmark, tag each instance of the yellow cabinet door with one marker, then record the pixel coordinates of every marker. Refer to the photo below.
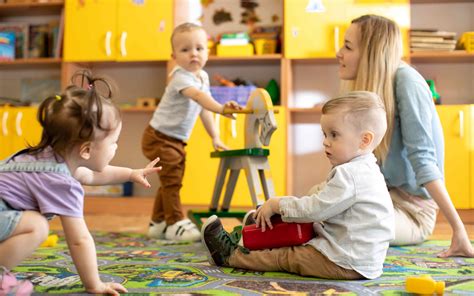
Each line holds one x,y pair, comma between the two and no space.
321,34
200,171
90,30
144,29
18,127
5,133
314,34
26,128
456,121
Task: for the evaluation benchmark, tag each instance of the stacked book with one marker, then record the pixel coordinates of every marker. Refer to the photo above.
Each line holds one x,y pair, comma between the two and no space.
432,40
241,38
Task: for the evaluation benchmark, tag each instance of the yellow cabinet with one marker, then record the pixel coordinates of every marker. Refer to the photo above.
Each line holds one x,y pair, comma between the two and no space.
201,169
320,33
18,128
457,123
123,30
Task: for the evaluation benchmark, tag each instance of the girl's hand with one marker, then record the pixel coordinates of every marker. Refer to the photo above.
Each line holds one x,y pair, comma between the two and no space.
108,288
229,106
218,144
460,247
139,176
266,211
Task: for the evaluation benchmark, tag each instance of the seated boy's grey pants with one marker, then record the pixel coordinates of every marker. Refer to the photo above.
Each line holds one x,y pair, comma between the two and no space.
302,260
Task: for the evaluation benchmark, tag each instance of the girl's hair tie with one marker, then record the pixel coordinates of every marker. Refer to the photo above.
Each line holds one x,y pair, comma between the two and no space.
89,87
58,98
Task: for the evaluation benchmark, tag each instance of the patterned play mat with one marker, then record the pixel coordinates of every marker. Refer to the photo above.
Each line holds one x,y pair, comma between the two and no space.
148,267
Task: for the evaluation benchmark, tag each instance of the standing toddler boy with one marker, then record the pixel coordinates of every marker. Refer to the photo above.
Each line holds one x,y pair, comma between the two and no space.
186,96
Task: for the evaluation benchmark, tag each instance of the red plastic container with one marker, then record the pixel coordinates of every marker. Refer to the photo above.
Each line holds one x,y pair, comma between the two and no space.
283,234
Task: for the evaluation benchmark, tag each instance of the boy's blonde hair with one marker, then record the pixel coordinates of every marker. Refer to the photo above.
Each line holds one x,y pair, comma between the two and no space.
184,27
364,110
380,55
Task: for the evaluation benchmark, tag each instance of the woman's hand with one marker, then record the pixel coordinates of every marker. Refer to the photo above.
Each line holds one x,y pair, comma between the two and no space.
266,211
460,247
108,288
139,175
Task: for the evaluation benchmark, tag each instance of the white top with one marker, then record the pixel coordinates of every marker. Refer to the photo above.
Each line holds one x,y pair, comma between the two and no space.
176,114
357,214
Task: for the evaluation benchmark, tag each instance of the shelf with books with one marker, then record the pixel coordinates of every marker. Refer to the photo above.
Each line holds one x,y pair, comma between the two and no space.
457,56
31,8
32,61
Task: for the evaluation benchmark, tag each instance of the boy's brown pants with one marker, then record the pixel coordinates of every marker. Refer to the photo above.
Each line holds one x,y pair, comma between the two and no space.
172,156
302,260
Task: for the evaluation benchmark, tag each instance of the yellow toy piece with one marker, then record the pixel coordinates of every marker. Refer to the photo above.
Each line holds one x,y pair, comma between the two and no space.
51,241
424,284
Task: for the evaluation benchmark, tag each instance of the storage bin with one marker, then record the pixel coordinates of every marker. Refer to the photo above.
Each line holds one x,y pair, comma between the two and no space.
265,46
240,94
467,41
234,50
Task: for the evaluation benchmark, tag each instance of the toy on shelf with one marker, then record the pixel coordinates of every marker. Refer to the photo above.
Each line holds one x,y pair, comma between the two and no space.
435,94
51,241
424,284
282,234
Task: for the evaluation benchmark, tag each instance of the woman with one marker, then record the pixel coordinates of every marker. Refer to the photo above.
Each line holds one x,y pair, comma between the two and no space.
411,154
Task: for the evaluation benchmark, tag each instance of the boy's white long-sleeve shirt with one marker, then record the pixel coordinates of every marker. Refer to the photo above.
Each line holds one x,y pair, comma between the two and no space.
357,214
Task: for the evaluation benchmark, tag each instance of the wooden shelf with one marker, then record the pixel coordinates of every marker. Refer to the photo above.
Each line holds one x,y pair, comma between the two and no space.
315,110
32,8
438,1
322,61
135,109
268,58
32,62
457,56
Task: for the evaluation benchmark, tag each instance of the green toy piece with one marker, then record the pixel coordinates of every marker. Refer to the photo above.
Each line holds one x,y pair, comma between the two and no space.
436,96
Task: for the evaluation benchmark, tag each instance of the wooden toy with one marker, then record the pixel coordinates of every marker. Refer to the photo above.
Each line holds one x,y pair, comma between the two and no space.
260,123
424,285
51,241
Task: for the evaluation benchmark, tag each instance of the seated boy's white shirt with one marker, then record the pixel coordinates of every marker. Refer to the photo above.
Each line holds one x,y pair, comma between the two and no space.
357,212
176,114
317,188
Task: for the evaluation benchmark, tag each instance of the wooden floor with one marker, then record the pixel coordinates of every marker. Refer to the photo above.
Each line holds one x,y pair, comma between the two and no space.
133,215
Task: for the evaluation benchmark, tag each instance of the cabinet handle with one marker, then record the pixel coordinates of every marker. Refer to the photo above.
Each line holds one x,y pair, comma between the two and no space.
336,38
461,124
123,47
233,128
108,38
4,123
19,117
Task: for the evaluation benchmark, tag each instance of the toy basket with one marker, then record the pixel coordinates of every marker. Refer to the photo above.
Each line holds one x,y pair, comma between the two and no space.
240,94
467,41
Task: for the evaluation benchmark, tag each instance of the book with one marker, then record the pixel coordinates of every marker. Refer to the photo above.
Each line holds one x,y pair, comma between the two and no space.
21,37
7,46
38,43
433,45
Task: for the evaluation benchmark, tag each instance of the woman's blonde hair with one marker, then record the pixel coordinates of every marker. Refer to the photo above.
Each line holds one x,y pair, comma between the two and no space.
380,46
